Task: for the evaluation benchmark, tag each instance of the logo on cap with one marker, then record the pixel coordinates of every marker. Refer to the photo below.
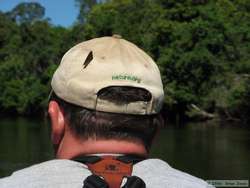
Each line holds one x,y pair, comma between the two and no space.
126,77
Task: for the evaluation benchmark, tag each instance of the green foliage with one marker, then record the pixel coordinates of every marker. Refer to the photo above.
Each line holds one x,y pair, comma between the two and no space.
196,43
238,101
202,48
29,52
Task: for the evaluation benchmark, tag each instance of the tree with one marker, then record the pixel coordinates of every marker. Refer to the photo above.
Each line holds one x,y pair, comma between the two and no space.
27,12
202,49
196,43
29,53
84,7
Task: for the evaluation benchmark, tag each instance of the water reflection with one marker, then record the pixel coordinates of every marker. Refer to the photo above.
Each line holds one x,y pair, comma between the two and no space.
23,142
209,151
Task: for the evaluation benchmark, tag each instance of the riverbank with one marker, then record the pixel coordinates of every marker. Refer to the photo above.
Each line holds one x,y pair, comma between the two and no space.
194,114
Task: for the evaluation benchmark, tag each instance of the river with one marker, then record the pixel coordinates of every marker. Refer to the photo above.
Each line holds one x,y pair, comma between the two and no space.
207,150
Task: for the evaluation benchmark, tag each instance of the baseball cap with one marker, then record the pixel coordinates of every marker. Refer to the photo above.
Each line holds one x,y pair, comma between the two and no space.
102,62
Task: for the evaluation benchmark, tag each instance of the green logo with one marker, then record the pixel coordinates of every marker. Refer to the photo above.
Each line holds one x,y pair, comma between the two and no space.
126,77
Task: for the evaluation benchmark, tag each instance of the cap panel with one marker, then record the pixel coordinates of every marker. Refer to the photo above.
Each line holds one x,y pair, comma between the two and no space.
71,64
139,107
81,94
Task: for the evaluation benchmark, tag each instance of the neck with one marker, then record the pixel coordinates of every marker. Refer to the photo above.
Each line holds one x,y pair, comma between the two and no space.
71,147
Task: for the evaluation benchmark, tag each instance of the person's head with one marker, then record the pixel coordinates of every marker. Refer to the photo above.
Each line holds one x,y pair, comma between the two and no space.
108,89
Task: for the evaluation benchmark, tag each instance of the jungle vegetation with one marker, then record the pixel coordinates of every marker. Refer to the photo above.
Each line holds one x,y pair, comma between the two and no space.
201,46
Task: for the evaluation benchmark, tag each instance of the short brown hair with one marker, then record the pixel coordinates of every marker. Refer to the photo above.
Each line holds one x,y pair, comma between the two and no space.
86,123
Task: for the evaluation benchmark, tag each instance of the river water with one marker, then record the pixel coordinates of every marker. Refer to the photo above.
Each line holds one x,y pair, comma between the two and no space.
207,150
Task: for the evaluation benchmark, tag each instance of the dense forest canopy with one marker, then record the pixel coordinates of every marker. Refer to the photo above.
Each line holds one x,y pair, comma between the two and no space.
201,46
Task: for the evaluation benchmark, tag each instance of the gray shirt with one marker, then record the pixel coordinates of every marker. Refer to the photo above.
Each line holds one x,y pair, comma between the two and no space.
70,174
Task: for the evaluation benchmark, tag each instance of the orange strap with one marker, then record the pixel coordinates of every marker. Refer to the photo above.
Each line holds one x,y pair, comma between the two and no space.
111,169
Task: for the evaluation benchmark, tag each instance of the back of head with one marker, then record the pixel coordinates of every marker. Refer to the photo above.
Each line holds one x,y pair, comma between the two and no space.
109,89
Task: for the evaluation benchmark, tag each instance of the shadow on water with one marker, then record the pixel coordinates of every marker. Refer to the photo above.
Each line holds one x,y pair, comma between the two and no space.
23,142
206,150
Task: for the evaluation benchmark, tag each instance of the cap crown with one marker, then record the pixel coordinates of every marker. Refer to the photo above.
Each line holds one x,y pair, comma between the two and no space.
108,61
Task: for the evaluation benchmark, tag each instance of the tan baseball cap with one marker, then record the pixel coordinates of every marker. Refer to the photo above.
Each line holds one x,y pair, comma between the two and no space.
103,62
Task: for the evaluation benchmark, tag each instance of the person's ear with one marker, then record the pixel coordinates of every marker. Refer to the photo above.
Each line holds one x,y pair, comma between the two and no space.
57,120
